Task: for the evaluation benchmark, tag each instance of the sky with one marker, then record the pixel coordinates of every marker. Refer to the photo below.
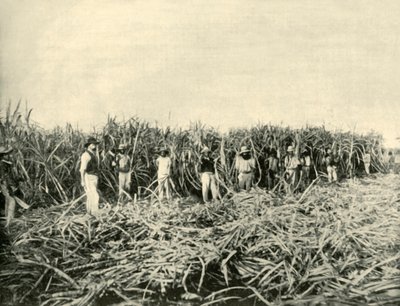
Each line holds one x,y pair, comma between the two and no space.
227,63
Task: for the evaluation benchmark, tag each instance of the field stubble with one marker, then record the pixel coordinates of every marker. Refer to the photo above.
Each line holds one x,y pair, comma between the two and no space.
333,244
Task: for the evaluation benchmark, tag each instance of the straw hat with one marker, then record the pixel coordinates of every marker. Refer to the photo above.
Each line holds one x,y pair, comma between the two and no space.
122,146
5,150
164,149
205,150
244,149
91,140
290,149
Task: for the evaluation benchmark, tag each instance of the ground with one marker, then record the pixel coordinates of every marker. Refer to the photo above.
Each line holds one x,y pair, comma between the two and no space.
333,244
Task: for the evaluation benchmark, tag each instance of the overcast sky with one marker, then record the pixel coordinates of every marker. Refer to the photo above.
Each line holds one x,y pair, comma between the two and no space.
227,63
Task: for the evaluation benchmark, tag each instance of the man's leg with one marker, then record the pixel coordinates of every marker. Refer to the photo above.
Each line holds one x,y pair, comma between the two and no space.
167,188
127,185
121,181
92,194
334,174
214,189
205,186
241,181
161,182
329,170
248,179
367,165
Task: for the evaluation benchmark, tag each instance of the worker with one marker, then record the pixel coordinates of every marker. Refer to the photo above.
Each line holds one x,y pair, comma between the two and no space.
292,164
7,184
272,168
123,167
245,164
207,171
305,160
331,163
90,171
163,174
367,161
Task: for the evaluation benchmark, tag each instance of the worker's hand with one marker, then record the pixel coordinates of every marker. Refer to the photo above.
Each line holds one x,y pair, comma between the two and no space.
83,184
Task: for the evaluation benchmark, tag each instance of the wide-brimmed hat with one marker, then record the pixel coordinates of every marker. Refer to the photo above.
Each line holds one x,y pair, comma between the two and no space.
91,140
244,149
122,146
164,149
5,150
290,149
205,150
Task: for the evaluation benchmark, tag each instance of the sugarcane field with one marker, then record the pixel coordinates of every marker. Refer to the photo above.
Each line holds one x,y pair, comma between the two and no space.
199,153
313,240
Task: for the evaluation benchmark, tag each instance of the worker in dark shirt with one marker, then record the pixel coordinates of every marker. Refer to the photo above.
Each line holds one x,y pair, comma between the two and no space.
89,175
207,171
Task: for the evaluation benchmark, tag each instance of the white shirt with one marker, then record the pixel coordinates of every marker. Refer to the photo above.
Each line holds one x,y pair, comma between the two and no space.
164,165
245,166
291,162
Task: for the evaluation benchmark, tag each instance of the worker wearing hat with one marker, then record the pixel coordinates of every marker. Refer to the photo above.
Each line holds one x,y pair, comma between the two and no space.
273,168
6,183
207,172
292,164
90,171
305,160
331,162
123,167
245,164
164,164
367,161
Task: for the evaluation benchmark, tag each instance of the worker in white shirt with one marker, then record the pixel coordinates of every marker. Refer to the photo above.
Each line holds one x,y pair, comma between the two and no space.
245,164
163,174
292,164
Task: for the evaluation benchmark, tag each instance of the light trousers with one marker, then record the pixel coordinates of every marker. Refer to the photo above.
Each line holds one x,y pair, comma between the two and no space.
9,205
367,167
92,195
245,181
208,182
291,180
163,186
124,183
332,174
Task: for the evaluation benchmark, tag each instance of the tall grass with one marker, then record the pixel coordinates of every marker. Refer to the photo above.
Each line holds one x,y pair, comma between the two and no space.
47,161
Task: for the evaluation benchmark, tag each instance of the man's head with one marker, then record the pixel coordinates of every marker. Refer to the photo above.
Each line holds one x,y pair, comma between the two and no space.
273,152
91,143
244,151
122,148
290,150
206,151
305,152
164,152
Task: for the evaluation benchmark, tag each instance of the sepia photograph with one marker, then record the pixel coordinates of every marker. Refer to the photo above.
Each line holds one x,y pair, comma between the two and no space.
198,152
